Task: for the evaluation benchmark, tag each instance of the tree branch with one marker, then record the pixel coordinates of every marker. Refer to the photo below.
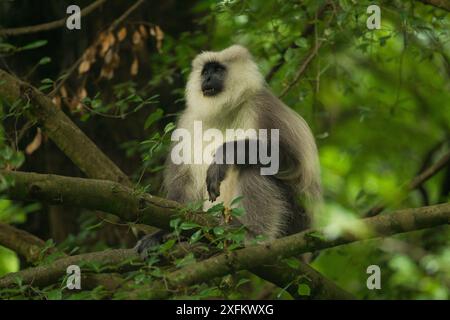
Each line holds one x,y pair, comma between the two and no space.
320,286
32,248
114,198
312,53
310,240
416,181
127,203
442,4
308,30
22,242
49,25
429,172
66,135
47,274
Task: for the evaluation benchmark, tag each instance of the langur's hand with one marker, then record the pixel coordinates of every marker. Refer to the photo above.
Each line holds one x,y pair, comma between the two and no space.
214,176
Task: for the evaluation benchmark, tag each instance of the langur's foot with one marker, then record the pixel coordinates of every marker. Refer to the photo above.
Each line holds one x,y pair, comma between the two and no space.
149,242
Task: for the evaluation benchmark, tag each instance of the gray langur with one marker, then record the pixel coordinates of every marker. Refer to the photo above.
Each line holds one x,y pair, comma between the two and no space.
225,90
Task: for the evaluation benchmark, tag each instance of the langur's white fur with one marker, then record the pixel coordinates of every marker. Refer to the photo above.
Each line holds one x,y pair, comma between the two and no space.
243,79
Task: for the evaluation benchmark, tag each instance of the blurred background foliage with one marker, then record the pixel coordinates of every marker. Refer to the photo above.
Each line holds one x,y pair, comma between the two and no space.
378,102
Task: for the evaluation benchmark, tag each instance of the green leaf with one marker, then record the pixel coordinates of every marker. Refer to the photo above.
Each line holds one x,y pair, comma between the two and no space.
151,119
196,236
166,246
237,212
169,127
316,234
95,226
34,45
218,231
188,259
47,81
17,159
236,200
194,206
45,87
289,55
216,208
237,236
188,226
302,43
7,47
175,223
241,282
45,60
292,262
55,294
304,290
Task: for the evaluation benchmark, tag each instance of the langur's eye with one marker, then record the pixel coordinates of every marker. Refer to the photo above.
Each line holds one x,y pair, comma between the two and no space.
212,67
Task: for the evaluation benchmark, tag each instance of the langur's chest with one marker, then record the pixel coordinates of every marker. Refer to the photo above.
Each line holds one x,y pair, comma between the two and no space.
205,142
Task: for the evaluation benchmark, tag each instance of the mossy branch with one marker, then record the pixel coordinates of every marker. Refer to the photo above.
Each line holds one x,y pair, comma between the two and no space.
47,274
34,249
310,240
115,198
129,204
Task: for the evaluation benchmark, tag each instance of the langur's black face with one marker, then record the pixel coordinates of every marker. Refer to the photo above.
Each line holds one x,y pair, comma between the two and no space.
213,77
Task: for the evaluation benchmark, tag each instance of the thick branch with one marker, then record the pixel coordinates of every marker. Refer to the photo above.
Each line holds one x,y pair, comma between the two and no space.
47,274
66,135
307,241
128,204
115,198
321,287
22,242
32,248
49,25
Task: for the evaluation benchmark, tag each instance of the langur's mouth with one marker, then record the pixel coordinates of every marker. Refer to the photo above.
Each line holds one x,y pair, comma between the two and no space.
209,92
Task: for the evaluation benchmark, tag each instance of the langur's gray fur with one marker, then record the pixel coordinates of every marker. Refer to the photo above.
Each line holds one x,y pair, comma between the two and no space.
270,202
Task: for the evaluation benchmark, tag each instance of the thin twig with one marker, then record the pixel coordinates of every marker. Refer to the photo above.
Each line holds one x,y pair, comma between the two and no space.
49,25
416,181
312,53
309,29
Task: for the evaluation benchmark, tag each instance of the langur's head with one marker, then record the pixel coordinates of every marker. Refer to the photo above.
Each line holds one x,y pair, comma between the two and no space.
222,79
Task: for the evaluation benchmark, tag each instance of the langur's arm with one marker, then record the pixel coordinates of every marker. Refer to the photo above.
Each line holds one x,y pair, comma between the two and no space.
239,153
